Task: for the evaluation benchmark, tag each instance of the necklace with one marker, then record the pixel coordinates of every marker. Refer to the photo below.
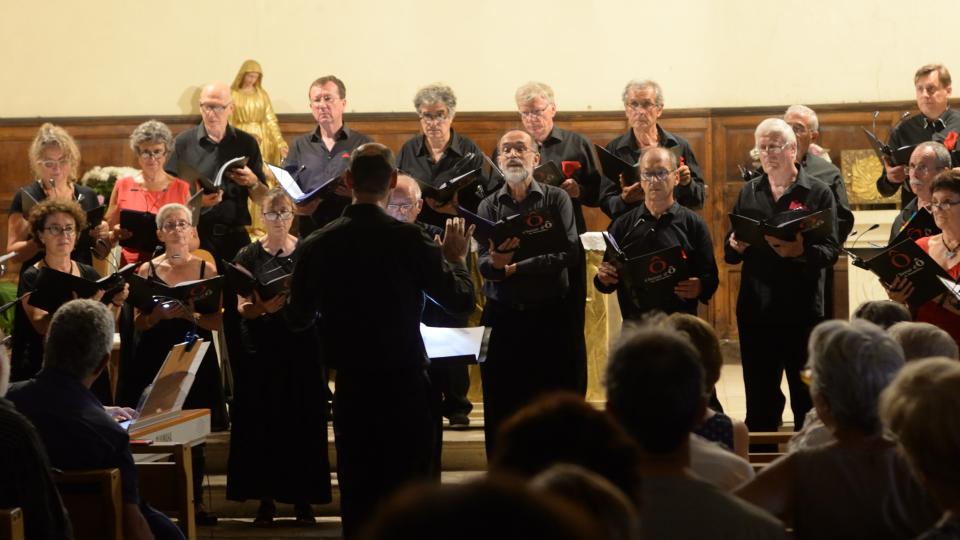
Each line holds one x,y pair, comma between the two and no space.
951,252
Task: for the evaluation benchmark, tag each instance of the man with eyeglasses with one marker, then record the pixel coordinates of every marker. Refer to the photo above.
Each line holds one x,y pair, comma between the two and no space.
574,155
324,153
451,381
806,126
781,282
659,223
927,161
935,122
643,105
532,347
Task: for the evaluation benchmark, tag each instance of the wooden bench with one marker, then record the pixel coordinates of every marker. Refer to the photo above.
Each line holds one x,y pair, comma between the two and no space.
759,460
166,481
94,501
11,524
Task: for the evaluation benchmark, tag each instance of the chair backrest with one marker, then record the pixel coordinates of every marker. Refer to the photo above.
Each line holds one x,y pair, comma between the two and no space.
167,484
94,502
11,524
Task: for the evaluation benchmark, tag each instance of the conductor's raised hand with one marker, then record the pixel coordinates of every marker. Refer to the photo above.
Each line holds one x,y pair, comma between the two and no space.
456,240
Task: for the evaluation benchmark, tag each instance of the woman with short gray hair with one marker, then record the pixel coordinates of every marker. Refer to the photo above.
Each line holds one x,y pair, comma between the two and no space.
145,192
860,476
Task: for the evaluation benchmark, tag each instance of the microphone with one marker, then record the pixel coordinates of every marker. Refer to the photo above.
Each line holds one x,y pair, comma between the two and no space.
156,252
857,239
855,259
875,115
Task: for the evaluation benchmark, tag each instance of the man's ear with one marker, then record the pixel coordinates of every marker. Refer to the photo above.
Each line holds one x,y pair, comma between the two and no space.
102,365
348,179
393,179
949,90
814,136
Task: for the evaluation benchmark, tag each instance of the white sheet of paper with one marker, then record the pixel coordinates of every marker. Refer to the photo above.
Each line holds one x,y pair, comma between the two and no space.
447,342
286,181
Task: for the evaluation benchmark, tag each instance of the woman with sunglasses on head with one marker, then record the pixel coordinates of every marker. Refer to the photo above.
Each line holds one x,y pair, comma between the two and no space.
944,249
275,455
170,323
54,159
54,225
149,190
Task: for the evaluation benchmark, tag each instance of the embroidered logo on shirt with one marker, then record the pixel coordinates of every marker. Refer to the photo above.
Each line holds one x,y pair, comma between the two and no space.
797,205
570,167
951,141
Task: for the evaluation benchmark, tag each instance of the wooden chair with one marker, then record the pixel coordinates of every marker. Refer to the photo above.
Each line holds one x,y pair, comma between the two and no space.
11,524
94,501
167,482
759,460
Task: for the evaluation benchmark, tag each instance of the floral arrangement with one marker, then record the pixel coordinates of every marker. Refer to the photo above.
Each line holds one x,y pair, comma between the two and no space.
101,179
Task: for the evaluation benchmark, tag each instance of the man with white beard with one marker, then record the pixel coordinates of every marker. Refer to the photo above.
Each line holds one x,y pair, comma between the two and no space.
531,349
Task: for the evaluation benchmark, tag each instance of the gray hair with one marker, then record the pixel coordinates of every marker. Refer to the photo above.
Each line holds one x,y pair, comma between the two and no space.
777,126
939,150
533,90
814,123
640,84
435,93
923,340
414,185
150,132
851,363
166,209
79,337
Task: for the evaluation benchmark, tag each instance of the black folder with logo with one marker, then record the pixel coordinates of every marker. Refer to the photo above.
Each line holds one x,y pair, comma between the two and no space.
909,261
55,288
146,294
919,225
268,285
813,224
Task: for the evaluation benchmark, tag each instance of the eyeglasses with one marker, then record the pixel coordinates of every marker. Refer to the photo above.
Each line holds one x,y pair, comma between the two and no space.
180,224
800,129
943,206
437,118
57,230
519,149
772,149
274,216
637,105
54,163
535,113
152,154
213,108
323,100
659,175
400,208
922,170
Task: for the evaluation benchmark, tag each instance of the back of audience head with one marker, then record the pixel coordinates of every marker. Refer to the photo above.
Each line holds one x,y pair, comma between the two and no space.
923,340
79,338
495,508
655,388
883,313
614,514
563,428
850,364
704,340
920,409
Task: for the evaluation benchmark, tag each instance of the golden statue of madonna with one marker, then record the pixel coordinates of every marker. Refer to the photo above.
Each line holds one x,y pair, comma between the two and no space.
254,114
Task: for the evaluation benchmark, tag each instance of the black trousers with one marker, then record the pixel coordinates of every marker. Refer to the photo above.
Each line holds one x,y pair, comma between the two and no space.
766,351
530,353
451,382
381,449
576,303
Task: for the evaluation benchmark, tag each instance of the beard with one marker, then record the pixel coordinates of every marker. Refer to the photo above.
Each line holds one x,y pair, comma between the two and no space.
515,175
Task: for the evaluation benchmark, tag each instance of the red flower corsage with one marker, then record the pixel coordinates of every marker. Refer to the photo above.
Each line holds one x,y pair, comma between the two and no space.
951,141
797,205
569,167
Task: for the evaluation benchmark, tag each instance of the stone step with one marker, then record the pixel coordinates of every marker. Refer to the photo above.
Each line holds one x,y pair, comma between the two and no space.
215,500
463,450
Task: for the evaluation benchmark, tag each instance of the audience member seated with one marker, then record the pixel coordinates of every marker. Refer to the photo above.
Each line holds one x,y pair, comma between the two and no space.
76,430
883,313
860,476
655,388
148,191
717,427
913,410
615,515
563,428
923,340
495,508
25,477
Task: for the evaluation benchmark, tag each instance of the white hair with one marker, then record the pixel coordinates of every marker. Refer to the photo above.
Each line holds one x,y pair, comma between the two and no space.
640,84
812,121
777,126
533,90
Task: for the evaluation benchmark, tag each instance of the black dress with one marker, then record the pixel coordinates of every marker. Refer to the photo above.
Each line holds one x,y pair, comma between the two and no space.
278,436
153,345
26,343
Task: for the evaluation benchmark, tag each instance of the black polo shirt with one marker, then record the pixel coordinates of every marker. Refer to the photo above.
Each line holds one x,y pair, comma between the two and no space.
321,164
626,147
645,233
539,279
77,433
196,149
776,290
915,130
415,159
828,173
